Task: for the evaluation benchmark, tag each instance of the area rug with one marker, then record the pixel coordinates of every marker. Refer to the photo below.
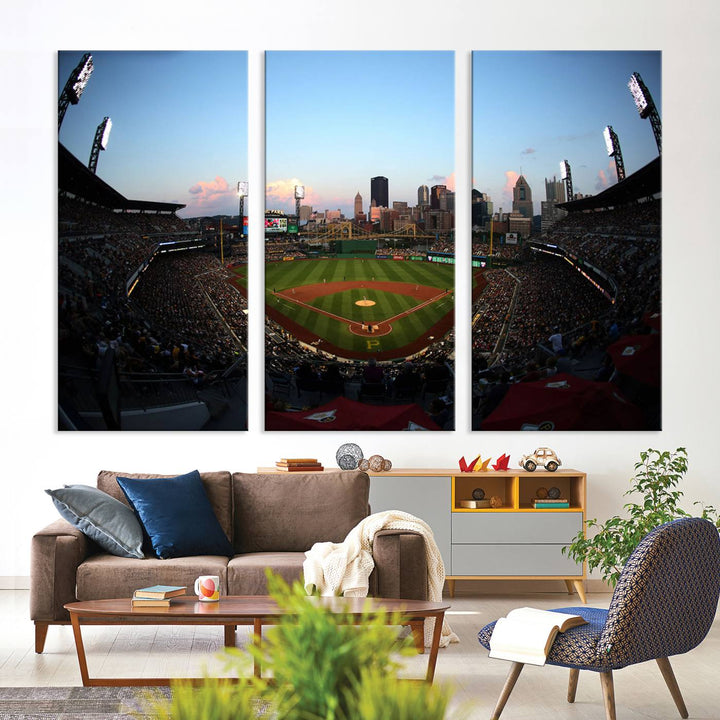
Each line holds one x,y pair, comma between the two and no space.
66,703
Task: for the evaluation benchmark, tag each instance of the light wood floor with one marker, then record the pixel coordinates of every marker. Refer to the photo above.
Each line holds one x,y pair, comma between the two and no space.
540,693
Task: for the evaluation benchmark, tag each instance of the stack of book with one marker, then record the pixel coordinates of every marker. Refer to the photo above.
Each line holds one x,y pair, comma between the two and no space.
299,465
156,595
550,503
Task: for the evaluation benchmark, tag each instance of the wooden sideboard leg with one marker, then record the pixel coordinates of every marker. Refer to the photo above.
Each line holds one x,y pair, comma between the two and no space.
569,586
580,590
451,587
41,630
572,684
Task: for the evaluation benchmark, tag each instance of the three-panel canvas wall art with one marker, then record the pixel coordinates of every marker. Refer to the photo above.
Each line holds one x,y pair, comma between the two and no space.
559,234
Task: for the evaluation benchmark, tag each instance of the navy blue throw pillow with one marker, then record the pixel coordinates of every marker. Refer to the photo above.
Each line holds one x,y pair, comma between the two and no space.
177,515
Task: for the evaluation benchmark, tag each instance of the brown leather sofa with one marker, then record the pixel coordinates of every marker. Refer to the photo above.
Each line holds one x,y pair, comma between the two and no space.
271,520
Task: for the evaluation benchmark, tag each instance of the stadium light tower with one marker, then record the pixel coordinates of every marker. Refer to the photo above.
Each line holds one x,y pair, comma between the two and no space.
566,175
299,195
74,86
646,106
613,150
242,191
102,135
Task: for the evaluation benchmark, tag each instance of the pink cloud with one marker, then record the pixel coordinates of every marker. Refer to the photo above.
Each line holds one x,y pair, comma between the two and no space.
213,197
606,179
280,195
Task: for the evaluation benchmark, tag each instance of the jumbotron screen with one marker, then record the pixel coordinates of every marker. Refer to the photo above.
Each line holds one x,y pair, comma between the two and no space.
276,225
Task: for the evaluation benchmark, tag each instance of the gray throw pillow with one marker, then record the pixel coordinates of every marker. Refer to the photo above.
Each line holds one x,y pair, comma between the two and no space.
110,523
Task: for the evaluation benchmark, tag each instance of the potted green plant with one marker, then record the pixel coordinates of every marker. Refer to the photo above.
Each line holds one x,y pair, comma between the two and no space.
323,668
657,476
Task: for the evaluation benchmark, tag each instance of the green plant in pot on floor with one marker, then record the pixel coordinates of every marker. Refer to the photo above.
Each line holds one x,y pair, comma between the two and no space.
323,666
657,476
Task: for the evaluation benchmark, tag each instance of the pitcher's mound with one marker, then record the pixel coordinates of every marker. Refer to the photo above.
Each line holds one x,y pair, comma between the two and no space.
365,303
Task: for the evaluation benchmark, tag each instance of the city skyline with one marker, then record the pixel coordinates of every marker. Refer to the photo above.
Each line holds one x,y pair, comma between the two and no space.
553,106
396,121
179,125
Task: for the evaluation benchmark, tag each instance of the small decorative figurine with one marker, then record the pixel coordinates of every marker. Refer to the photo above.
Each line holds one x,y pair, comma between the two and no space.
481,465
465,466
553,493
542,456
541,493
376,463
502,463
478,494
496,501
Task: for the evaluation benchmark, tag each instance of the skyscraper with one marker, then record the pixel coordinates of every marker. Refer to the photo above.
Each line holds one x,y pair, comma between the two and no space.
379,191
423,195
438,199
358,206
522,198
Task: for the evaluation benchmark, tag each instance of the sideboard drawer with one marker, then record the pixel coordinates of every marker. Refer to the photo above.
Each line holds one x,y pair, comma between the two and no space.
540,526
516,560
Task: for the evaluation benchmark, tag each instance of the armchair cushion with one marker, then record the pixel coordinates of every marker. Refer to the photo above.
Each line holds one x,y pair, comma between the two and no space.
110,523
177,516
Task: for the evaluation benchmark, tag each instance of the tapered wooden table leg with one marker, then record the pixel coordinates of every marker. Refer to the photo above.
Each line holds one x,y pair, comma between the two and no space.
671,682
572,684
432,660
230,635
418,633
82,659
515,670
257,640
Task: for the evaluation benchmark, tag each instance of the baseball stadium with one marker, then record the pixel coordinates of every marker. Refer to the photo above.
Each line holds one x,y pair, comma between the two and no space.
348,314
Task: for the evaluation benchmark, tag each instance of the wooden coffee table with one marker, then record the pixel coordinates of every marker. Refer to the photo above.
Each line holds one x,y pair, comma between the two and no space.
231,611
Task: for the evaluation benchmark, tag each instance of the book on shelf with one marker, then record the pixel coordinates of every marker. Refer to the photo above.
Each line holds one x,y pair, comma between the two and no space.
299,468
559,503
527,634
297,461
159,592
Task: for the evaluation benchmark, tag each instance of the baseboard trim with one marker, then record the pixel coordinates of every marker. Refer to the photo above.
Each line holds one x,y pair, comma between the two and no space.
524,587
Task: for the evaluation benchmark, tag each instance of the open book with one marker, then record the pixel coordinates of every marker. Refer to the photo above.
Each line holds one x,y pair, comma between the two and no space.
527,634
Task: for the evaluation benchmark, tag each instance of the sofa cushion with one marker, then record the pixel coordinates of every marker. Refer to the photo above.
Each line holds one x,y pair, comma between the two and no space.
246,573
176,515
110,523
107,576
292,512
217,487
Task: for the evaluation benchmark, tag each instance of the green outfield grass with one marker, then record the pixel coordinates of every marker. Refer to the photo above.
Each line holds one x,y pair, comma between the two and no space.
296,273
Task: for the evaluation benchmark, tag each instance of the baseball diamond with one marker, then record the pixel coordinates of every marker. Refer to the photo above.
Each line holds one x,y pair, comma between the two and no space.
355,308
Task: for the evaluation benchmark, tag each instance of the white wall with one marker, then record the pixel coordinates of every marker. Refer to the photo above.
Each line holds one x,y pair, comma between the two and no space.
34,456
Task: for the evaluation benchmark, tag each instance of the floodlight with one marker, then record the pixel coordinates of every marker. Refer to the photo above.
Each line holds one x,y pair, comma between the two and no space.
563,169
79,78
107,127
242,188
639,93
299,192
607,134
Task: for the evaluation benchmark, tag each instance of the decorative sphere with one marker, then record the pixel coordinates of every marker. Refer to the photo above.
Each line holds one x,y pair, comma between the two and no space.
376,463
364,465
554,493
496,501
478,494
541,493
348,456
387,465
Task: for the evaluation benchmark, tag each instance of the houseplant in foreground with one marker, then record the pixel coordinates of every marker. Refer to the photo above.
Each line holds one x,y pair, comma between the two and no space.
324,668
656,479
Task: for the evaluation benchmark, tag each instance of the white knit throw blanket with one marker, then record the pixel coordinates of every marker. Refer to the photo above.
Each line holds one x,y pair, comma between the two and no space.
344,568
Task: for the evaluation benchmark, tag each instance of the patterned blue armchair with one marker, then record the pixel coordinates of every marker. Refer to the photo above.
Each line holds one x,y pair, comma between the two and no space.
664,604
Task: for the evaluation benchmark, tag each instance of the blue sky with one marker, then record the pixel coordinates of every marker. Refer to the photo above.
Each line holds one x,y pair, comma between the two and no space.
179,129
336,119
533,109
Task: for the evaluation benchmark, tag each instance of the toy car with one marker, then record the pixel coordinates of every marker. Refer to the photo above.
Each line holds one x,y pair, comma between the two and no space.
542,456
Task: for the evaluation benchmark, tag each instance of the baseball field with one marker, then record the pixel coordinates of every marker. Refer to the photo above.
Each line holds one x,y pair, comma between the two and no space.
360,307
